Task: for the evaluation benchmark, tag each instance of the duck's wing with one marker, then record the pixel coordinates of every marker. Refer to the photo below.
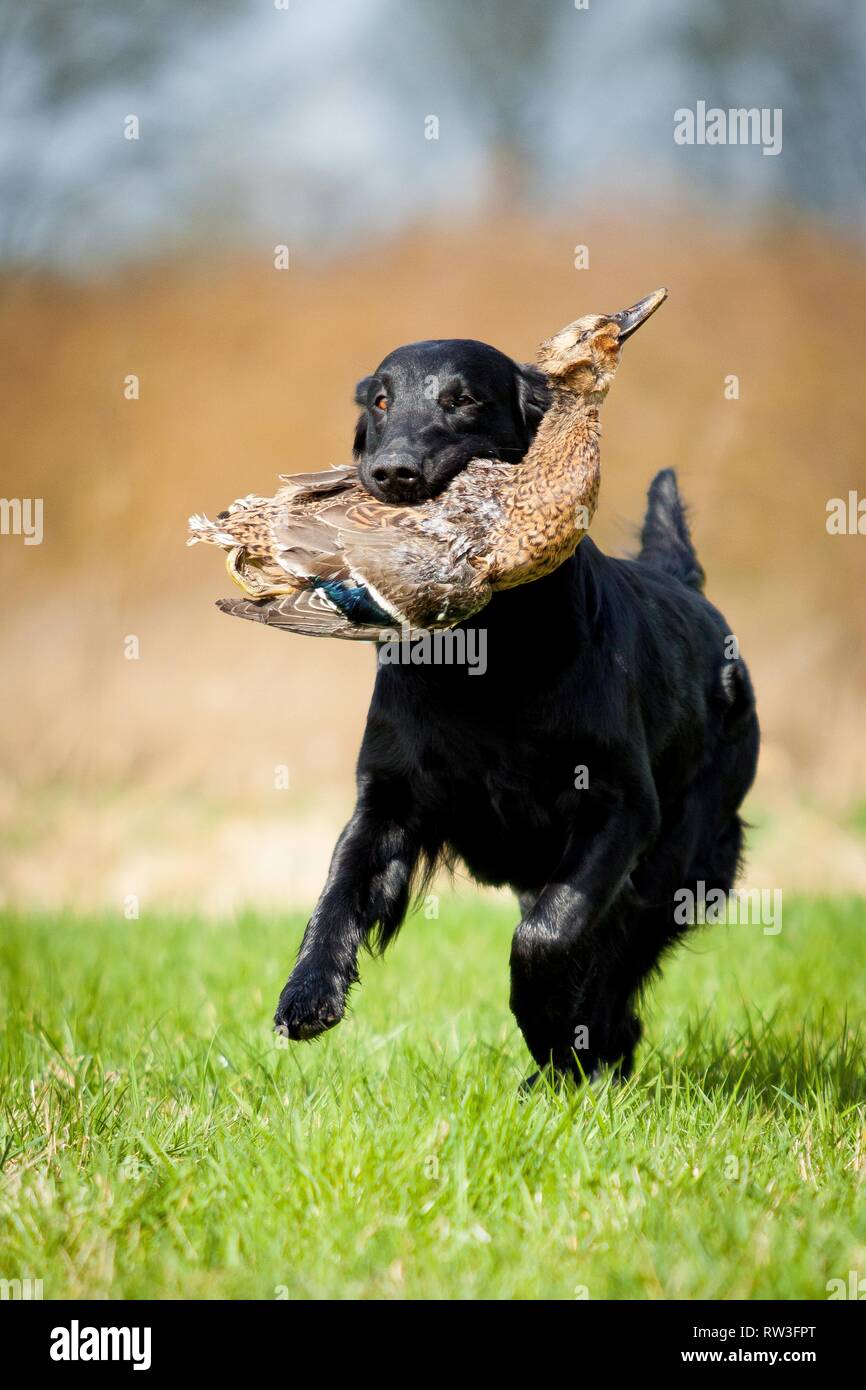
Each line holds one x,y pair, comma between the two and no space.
302,487
412,568
432,560
308,612
355,566
311,613
429,581
310,542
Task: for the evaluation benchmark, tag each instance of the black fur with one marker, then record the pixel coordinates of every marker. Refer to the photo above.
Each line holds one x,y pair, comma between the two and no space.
618,666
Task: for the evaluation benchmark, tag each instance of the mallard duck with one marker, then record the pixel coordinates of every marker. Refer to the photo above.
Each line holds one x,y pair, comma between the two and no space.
323,557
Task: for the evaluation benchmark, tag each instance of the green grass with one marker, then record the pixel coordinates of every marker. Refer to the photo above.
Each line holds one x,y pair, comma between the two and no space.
156,1142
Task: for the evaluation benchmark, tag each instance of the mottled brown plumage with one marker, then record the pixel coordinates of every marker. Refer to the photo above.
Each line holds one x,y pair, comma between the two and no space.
323,557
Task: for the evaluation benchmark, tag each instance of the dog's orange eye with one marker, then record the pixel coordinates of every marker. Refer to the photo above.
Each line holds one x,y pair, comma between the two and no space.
464,400
381,402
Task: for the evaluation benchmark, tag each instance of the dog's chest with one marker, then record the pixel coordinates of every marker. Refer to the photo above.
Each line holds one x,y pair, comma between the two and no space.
505,802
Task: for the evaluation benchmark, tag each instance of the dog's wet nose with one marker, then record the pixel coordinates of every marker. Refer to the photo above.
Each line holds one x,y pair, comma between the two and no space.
396,471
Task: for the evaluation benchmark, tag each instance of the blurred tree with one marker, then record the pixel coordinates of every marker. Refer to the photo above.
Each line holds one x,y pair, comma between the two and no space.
310,120
813,58
499,51
51,56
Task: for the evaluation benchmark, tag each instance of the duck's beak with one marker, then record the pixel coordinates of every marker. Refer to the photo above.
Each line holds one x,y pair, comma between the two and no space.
627,320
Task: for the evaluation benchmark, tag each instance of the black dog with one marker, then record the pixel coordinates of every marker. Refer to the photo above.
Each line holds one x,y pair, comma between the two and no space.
597,769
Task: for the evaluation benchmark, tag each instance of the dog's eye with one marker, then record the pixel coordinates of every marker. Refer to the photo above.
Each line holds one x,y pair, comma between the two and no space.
381,402
465,400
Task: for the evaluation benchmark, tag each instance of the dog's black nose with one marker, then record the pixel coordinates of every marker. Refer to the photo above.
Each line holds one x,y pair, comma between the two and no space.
396,473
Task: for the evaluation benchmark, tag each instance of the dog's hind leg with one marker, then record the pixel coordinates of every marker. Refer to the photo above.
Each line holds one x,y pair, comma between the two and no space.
582,1014
698,855
652,928
559,950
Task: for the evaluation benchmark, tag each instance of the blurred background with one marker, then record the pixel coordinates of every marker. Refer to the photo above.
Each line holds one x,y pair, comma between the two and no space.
484,170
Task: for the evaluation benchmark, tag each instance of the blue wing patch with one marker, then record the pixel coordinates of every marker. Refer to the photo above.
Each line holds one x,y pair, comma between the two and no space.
356,602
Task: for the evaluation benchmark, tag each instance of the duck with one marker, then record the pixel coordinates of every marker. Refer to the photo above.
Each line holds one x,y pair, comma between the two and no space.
324,558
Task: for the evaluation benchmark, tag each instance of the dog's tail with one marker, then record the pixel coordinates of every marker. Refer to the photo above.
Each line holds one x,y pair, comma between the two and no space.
665,540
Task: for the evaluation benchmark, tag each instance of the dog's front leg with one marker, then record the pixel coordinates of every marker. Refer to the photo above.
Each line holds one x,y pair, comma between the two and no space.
561,969
368,883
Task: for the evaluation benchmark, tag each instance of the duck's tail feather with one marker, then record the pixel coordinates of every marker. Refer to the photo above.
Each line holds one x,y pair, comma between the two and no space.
201,528
308,612
665,539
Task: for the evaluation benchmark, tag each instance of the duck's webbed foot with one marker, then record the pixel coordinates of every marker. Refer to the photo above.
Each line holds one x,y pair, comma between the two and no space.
251,579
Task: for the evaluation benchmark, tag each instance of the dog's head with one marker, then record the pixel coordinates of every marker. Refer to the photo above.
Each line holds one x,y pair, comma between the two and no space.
430,407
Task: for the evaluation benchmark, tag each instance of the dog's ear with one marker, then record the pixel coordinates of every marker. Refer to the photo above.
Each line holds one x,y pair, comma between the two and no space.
359,443
362,389
533,396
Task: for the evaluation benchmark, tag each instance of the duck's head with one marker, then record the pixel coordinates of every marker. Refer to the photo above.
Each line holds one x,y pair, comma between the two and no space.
584,356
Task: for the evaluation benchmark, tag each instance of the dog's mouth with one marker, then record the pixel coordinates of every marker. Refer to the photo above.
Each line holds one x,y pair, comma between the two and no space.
402,479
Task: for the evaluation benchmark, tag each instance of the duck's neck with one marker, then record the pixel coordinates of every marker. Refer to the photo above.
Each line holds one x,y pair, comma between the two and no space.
553,493
564,458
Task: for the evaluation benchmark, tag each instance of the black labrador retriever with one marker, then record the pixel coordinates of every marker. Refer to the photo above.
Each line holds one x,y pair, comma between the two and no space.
597,769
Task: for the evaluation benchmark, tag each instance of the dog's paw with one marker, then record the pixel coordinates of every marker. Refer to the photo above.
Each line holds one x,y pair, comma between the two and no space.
309,1007
548,1078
